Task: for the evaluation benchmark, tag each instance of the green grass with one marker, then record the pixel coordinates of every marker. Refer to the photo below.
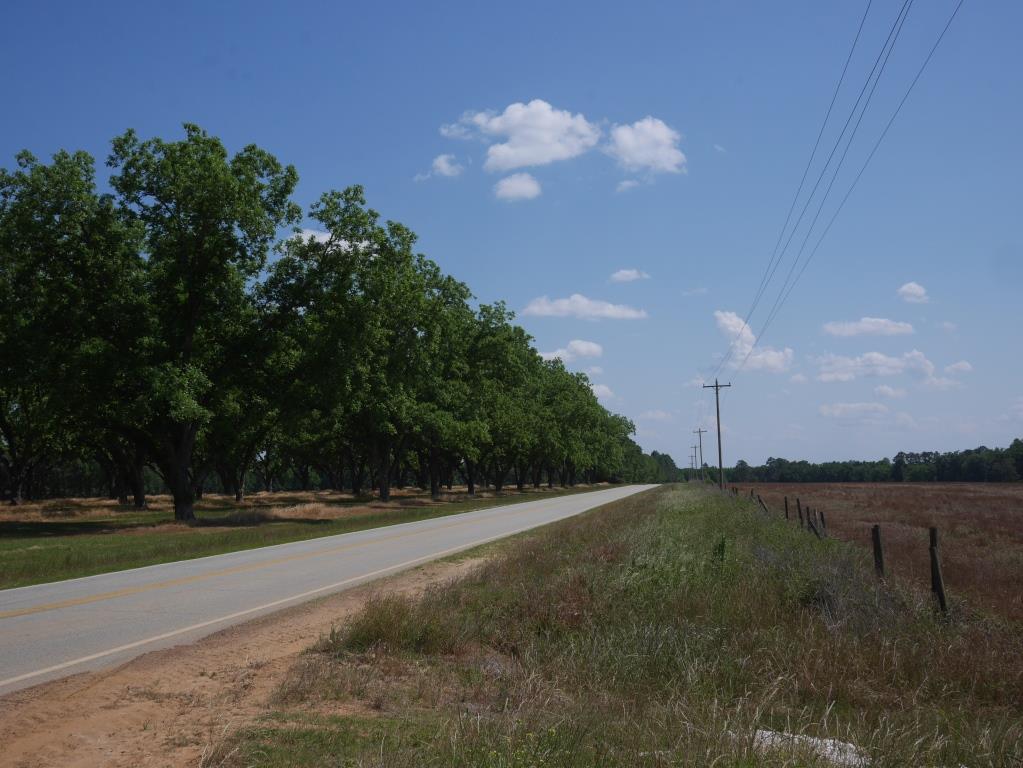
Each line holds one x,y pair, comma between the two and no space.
662,630
33,552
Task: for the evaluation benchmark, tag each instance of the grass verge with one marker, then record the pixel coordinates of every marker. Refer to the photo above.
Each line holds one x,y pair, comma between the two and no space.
50,550
674,628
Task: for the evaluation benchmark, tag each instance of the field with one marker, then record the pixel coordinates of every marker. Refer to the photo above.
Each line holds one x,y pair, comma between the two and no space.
980,527
676,628
68,538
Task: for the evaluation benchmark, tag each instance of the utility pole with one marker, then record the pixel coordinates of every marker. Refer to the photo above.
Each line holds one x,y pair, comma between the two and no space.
717,404
692,459
700,432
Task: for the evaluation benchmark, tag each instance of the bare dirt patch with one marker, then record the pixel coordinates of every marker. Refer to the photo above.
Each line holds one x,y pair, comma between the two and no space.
168,707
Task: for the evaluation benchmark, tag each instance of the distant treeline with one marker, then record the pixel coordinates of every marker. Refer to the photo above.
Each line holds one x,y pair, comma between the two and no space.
979,465
181,332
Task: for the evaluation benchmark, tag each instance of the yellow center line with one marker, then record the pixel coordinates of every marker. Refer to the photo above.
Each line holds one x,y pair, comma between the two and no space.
231,571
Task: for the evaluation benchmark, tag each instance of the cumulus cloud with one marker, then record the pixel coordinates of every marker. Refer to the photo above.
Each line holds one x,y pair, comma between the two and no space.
629,275
961,367
842,368
798,378
527,134
719,148
593,370
626,184
744,354
580,306
913,293
518,186
443,165
647,145
574,350
852,410
891,392
316,234
656,415
868,326
602,391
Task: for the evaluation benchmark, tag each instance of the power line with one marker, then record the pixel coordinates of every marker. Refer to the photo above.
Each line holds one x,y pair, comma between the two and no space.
859,175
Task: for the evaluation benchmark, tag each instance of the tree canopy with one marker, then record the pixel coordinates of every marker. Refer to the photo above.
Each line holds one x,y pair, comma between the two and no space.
183,328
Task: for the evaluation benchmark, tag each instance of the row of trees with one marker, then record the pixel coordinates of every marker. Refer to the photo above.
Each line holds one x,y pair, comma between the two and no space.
146,329
981,464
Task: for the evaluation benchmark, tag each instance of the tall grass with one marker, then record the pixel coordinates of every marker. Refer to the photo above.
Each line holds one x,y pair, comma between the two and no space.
666,629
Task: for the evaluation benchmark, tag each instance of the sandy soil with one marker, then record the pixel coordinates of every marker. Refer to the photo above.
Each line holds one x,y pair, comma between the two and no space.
165,708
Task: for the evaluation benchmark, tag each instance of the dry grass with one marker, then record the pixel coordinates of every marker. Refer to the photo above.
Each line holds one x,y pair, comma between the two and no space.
667,629
980,527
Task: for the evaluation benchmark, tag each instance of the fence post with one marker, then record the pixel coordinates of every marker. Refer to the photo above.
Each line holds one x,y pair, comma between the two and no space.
786,507
875,536
813,528
763,505
800,508
937,583
824,524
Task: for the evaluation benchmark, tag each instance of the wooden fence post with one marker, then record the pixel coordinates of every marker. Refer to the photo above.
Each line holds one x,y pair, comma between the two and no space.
824,524
763,505
800,508
786,507
813,528
875,536
937,583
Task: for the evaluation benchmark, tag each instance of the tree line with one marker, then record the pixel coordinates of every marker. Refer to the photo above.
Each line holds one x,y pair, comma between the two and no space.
167,329
983,464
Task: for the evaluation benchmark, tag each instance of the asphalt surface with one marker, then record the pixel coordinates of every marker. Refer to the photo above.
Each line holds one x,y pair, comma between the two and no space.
51,630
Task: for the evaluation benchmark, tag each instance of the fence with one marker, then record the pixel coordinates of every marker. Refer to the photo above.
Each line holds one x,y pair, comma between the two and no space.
813,520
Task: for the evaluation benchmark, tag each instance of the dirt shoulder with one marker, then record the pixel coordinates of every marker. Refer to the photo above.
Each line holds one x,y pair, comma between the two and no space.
165,708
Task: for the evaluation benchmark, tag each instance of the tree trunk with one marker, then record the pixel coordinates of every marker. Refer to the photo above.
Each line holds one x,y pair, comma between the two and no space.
384,470
498,477
434,468
470,476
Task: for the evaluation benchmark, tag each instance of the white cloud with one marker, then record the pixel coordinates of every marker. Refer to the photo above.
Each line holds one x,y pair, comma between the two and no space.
647,145
602,391
913,293
941,383
696,381
798,378
626,185
533,134
852,410
580,306
743,342
892,392
443,165
656,415
948,327
316,234
868,326
446,165
903,419
518,186
628,275
720,149
593,370
574,350
841,368
961,367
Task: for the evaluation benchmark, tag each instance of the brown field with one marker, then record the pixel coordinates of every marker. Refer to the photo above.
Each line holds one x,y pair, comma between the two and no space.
980,529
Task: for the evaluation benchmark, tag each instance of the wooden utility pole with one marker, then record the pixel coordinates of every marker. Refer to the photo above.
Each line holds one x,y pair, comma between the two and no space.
700,432
717,405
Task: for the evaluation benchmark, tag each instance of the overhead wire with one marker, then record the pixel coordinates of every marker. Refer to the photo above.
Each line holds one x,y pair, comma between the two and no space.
789,287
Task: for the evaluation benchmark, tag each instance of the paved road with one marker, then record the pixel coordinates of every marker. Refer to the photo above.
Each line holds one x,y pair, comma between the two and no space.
51,630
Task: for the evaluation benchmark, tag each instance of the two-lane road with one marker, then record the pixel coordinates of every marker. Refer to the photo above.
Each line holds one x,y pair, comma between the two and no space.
51,630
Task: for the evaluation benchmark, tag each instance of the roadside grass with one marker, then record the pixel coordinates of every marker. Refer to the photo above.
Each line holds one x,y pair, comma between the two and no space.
52,548
980,525
666,629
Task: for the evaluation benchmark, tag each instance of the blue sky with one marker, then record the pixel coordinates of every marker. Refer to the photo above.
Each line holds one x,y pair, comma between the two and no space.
538,149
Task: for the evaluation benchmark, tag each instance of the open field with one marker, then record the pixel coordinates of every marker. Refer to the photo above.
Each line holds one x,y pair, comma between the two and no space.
980,527
677,627
68,538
